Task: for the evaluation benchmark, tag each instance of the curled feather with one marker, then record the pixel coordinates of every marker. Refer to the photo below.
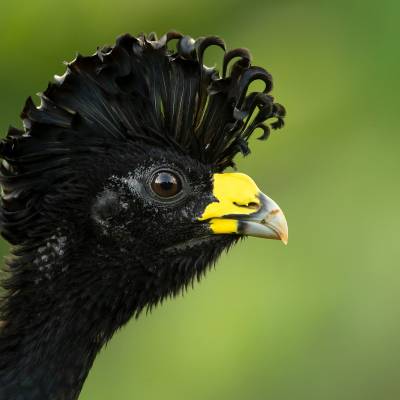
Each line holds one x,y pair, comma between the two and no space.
137,92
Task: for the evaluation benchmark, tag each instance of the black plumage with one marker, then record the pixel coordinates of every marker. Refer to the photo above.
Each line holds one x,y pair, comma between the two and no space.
92,244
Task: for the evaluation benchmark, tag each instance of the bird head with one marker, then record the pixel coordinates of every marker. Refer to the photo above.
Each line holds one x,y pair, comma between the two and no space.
116,193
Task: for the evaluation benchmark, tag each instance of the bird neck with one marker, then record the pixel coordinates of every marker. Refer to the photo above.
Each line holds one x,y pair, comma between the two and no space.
49,361
57,315
53,327
45,364
47,355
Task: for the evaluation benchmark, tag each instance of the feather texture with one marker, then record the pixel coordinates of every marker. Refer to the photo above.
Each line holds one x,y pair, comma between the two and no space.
137,91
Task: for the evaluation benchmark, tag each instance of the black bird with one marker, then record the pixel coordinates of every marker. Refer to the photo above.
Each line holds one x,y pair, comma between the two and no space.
114,198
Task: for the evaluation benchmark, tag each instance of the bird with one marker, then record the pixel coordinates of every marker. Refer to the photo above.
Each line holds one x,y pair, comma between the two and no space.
119,191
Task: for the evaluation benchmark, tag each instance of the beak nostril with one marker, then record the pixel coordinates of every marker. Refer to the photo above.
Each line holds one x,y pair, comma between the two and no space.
252,205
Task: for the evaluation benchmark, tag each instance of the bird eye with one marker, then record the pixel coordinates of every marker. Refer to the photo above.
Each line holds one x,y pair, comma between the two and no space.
166,184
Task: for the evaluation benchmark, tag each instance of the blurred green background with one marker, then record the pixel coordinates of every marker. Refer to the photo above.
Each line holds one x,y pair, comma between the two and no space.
320,318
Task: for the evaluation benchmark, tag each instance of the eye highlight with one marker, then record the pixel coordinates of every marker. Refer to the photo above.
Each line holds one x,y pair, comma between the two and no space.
166,184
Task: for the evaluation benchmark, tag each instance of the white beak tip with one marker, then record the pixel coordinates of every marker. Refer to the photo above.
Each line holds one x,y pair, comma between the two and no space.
285,240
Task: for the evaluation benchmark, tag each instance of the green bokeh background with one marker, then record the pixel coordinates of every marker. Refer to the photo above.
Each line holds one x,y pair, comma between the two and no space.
320,318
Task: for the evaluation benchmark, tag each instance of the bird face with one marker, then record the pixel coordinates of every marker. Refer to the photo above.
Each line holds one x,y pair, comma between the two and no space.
171,203
156,204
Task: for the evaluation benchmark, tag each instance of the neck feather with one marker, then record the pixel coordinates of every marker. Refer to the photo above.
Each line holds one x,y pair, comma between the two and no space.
55,320
62,306
46,354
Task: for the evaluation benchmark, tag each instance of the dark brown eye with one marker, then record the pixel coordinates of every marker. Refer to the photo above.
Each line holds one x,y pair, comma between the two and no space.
166,184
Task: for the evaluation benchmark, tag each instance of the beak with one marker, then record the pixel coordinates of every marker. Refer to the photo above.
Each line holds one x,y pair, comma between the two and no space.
241,208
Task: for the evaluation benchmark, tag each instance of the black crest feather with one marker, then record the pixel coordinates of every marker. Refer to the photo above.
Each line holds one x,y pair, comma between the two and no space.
137,91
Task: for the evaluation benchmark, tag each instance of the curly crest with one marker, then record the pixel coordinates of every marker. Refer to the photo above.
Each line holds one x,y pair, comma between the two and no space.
137,91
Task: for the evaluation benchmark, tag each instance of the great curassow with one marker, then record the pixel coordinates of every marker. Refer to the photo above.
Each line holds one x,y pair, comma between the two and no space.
114,197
